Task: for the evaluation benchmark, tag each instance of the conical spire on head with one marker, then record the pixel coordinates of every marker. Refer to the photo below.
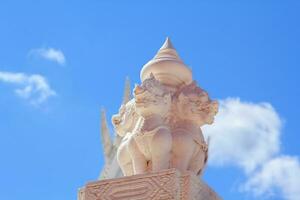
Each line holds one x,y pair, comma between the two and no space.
167,50
167,45
167,67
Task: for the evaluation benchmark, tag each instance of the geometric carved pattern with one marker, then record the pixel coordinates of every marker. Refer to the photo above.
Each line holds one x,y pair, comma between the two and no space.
164,185
185,186
156,186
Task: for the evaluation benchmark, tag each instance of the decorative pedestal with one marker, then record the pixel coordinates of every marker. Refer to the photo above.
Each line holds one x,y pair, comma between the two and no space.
165,185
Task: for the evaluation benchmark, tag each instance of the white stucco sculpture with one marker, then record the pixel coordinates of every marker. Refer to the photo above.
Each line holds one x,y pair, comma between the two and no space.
159,146
161,126
152,141
192,109
124,123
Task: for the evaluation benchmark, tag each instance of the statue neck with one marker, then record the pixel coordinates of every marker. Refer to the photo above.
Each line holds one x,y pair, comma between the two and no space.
189,126
151,122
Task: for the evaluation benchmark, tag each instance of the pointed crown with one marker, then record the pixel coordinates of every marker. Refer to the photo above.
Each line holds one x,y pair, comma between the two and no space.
167,67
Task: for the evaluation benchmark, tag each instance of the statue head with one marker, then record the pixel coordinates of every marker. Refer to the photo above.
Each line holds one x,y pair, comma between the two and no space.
194,104
126,119
151,97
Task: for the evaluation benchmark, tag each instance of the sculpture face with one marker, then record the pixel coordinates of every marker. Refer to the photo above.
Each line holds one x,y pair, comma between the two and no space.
125,120
151,98
195,105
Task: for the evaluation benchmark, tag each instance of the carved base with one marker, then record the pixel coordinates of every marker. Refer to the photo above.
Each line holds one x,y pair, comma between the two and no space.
165,185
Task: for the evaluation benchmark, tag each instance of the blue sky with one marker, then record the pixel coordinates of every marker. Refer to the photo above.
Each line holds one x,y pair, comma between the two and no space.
61,61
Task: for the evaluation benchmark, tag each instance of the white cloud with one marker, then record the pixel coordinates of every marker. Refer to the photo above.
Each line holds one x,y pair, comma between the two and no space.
247,135
32,87
51,54
244,134
281,173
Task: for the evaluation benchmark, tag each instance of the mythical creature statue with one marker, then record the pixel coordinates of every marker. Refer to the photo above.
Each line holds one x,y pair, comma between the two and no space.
192,109
124,122
151,142
159,129
160,126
